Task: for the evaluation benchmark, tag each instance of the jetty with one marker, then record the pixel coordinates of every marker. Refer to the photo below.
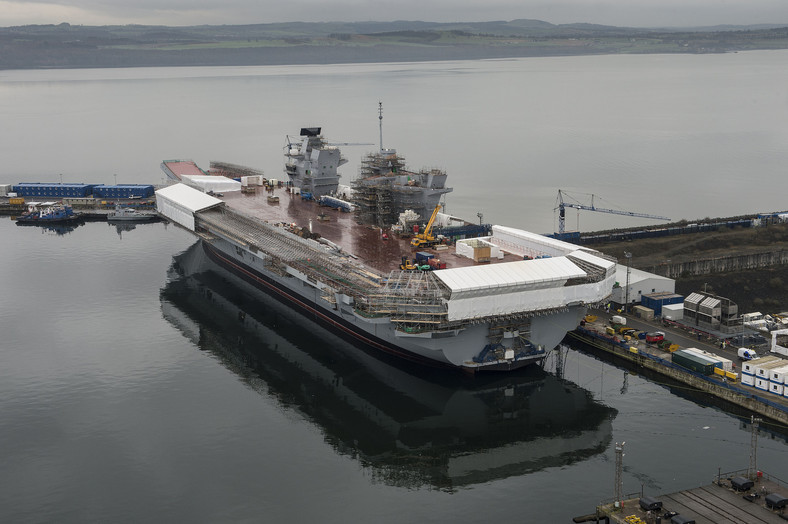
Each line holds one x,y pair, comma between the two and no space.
743,497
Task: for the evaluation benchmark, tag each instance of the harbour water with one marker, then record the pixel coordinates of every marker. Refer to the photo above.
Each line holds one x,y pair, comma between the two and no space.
135,386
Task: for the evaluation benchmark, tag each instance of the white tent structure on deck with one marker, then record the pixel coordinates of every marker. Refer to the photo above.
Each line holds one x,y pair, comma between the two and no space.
179,202
217,184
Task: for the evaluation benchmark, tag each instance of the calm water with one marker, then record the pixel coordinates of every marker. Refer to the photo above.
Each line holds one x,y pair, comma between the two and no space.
137,384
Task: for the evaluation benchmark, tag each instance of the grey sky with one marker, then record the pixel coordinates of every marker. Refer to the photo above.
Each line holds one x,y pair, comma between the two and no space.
636,13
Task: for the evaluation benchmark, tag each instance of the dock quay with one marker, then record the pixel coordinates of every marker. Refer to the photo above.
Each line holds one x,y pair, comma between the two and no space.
650,357
734,497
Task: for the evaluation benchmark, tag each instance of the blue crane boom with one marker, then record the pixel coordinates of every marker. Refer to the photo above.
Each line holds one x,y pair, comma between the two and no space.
563,205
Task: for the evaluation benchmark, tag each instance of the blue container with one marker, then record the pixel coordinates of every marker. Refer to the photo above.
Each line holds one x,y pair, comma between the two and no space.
123,191
30,189
655,301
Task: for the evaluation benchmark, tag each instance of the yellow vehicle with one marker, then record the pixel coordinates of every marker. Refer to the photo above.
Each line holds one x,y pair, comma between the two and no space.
407,265
426,239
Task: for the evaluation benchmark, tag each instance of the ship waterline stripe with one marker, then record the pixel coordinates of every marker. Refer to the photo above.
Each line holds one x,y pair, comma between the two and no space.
251,274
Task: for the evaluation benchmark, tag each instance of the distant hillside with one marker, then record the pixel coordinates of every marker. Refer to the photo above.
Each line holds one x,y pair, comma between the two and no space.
69,46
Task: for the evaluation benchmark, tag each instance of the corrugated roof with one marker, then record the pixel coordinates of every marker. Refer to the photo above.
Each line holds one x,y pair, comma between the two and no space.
509,274
710,302
694,298
188,197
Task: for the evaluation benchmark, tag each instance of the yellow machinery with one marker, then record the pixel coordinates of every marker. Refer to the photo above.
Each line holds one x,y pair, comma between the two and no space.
407,265
426,239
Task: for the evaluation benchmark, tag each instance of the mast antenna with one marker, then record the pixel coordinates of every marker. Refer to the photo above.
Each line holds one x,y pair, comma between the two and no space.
380,117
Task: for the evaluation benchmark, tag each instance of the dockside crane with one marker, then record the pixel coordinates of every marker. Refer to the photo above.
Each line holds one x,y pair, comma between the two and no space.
563,205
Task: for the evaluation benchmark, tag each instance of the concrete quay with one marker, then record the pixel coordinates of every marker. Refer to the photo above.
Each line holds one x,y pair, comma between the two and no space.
650,357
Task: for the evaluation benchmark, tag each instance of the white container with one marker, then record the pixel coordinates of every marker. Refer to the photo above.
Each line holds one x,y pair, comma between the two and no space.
11,195
749,366
617,319
673,311
747,380
761,384
764,370
777,389
778,375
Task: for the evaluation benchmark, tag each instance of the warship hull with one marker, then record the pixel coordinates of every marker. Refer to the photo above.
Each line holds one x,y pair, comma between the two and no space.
450,348
502,302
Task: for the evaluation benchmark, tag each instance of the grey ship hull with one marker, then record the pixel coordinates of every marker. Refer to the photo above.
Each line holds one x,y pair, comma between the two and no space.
445,349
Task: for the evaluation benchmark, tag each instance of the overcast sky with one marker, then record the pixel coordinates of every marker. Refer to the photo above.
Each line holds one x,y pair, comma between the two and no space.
635,13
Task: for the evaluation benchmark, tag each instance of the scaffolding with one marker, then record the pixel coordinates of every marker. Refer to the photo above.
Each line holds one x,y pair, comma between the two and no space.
384,189
415,301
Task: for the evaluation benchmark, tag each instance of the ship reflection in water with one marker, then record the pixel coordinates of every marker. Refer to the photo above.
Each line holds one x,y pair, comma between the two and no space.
412,427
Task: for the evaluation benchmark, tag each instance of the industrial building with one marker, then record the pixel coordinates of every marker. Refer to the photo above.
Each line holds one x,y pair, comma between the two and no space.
640,283
710,312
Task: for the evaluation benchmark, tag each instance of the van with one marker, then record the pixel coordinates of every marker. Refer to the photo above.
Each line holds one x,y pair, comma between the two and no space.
747,354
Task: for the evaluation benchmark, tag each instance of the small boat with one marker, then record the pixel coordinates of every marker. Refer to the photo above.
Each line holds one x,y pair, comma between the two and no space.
46,215
127,214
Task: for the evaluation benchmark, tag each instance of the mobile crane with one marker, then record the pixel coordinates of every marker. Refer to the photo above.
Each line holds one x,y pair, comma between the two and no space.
426,239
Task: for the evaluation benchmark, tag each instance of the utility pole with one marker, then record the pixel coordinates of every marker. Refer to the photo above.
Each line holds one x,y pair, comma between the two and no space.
752,471
619,488
629,258
380,117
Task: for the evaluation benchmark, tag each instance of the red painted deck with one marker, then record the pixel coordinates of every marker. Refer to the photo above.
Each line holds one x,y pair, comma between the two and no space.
363,241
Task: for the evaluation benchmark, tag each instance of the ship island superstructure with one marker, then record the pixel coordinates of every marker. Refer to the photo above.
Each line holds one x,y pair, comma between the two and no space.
498,312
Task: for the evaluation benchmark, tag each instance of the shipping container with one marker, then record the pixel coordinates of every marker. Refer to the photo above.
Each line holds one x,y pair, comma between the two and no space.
725,364
5,189
777,389
29,189
762,384
657,301
748,366
778,375
764,370
748,380
693,362
123,191
643,312
16,201
423,256
673,311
